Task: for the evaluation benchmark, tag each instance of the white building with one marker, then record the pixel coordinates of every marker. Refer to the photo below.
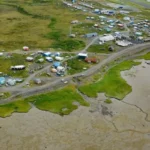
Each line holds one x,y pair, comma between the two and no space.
106,38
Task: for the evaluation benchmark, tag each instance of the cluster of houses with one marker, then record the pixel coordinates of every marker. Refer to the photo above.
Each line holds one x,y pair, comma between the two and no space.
8,81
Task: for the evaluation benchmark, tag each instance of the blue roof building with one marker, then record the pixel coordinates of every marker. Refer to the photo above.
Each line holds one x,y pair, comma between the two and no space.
2,80
56,64
46,54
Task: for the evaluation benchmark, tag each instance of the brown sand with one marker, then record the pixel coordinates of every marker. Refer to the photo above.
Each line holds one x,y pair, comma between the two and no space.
127,129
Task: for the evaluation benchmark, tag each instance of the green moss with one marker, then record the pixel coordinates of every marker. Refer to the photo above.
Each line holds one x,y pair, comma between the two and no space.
18,106
112,84
69,45
76,65
146,56
99,48
60,101
108,101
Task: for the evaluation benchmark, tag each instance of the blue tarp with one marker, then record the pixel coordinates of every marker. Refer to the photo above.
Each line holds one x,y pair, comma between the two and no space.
2,80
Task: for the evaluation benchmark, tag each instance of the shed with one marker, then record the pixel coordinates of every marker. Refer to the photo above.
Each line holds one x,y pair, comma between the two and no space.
82,55
91,60
56,64
37,81
50,59
90,35
41,60
29,58
25,48
59,58
46,54
2,80
106,38
19,67
11,82
1,54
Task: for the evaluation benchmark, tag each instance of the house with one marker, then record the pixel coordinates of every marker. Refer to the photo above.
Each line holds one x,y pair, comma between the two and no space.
108,30
29,58
74,22
11,82
90,35
49,59
46,54
25,48
19,67
37,81
59,58
107,38
2,81
82,55
41,60
96,11
56,64
1,54
91,60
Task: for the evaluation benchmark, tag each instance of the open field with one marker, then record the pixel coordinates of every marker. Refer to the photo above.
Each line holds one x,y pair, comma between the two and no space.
146,56
27,24
112,83
19,106
8,61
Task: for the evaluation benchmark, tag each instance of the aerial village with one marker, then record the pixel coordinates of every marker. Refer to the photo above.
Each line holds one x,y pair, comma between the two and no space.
111,29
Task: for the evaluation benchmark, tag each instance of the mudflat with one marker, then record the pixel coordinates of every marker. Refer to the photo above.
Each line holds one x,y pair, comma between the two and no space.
120,125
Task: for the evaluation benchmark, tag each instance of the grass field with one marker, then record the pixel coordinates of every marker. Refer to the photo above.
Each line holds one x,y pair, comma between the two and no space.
112,84
25,23
99,48
76,65
60,101
15,59
18,106
146,56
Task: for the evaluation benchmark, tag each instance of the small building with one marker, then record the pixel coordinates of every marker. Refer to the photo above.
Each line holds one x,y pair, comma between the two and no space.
126,18
58,58
56,64
82,55
96,25
25,48
49,59
61,69
47,54
108,30
74,22
37,81
91,60
41,60
97,11
107,38
72,35
19,67
19,80
138,33
1,54
2,80
57,54
90,35
123,43
11,82
53,70
29,58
